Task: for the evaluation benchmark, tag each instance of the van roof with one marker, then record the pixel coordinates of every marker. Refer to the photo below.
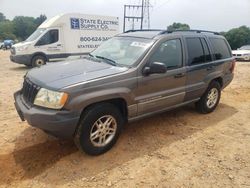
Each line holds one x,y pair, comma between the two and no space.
61,19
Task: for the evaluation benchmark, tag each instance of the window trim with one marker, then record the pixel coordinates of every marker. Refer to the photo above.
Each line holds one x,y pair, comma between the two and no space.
209,50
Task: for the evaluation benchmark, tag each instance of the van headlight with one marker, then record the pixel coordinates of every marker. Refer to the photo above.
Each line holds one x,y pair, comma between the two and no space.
22,48
50,99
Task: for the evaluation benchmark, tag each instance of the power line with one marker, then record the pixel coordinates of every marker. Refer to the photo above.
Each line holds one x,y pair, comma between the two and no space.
137,13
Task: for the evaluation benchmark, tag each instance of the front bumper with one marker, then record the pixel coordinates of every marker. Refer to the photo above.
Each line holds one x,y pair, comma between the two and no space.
59,123
242,57
21,59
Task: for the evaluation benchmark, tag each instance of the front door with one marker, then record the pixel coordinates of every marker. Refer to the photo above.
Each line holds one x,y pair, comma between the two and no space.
51,43
160,91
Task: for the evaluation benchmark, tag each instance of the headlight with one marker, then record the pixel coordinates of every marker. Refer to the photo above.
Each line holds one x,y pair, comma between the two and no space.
22,48
246,54
50,99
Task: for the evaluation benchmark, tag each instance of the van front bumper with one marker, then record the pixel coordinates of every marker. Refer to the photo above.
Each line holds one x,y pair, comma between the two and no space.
21,59
59,123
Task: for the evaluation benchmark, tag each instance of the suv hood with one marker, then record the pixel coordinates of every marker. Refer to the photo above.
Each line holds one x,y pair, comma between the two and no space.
21,44
61,74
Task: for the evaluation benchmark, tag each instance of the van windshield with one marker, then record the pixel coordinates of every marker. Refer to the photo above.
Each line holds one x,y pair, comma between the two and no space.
35,35
123,51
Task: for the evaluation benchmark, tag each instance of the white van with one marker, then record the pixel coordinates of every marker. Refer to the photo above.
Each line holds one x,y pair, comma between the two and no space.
63,36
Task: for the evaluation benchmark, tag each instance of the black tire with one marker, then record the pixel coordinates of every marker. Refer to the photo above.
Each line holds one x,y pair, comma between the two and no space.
202,105
38,61
87,123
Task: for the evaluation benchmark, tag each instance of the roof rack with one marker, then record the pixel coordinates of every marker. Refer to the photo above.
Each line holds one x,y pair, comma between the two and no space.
136,30
192,30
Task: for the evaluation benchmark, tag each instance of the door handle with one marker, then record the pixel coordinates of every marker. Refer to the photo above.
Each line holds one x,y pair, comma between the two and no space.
179,75
59,44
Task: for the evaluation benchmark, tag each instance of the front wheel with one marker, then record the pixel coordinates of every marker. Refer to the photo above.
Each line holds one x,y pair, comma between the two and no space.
38,61
99,129
210,99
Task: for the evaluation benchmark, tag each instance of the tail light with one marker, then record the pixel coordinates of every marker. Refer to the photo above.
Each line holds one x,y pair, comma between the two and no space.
232,66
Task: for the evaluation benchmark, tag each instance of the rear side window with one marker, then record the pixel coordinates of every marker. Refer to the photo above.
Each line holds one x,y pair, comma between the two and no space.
220,48
48,38
198,51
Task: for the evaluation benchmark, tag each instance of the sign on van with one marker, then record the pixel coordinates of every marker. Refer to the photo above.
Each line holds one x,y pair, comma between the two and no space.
93,24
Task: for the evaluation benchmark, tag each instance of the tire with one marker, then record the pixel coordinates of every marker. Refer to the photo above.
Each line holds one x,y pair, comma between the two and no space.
90,122
206,105
38,61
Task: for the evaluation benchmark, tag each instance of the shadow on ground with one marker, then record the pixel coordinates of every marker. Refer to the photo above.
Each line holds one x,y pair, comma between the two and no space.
138,139
20,68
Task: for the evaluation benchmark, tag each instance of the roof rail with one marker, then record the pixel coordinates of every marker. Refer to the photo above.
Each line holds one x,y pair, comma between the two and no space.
136,30
191,30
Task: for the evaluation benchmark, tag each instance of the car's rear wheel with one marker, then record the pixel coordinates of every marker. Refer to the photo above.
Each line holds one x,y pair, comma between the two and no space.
99,128
210,99
38,61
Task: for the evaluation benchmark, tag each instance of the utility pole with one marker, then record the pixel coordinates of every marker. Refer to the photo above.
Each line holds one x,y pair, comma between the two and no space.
140,13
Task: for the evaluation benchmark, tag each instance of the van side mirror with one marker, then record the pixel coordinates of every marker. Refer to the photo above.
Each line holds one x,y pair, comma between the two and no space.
155,68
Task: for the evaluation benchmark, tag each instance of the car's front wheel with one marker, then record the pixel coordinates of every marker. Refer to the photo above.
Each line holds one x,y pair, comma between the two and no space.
99,129
210,99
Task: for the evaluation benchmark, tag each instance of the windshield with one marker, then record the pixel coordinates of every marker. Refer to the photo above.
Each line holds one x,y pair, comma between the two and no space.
35,35
245,47
123,51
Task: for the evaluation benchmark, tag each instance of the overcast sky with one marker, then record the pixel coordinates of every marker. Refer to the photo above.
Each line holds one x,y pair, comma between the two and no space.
217,15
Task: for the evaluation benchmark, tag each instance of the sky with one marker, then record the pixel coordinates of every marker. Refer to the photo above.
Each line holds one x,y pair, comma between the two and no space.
216,15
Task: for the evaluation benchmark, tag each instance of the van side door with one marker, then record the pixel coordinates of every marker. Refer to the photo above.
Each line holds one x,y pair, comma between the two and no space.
51,43
160,91
199,65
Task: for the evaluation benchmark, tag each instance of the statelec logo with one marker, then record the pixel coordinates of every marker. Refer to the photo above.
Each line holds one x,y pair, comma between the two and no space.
75,23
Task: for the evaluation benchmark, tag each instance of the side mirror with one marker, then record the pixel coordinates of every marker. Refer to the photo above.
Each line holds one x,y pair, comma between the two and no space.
155,68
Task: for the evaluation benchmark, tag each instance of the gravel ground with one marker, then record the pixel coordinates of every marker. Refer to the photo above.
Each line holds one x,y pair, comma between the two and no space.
181,148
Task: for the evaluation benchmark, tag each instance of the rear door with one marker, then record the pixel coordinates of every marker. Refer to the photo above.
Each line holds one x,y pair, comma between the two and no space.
159,91
199,65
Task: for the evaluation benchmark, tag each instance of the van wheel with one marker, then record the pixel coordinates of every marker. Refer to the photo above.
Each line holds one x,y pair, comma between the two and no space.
38,61
99,129
210,99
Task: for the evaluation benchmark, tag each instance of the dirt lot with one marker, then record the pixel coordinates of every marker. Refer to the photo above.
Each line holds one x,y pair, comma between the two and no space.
180,148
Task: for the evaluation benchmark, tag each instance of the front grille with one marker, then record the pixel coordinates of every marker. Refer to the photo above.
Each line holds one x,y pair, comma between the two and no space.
238,54
29,91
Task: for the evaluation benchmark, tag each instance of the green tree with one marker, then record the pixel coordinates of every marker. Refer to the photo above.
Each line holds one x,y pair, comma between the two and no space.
178,26
20,27
39,20
23,26
238,37
6,30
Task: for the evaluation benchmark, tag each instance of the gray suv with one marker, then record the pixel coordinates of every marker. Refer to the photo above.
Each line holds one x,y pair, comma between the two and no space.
131,76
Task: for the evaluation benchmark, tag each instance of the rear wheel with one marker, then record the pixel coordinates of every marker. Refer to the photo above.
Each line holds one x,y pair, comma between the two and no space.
210,99
99,129
38,61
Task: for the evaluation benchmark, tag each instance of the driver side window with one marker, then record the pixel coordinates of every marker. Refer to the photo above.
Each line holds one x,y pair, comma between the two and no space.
48,38
169,53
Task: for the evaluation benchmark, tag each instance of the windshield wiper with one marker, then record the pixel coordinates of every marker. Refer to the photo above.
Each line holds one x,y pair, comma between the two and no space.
112,62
